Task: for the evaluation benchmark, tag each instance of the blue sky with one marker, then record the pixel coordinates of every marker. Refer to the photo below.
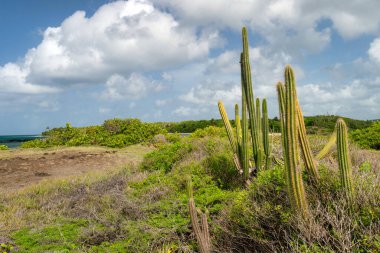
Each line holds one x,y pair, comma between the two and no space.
87,61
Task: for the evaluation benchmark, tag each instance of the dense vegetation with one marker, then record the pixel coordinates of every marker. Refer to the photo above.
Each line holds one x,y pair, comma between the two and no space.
323,124
368,137
144,209
115,133
320,124
119,133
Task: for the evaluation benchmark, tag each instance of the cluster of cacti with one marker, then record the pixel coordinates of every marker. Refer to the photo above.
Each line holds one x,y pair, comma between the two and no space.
251,115
200,230
293,131
293,135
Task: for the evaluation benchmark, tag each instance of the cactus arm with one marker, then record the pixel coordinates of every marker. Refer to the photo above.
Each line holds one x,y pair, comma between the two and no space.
331,142
293,171
258,130
310,163
265,127
244,123
281,102
238,132
228,126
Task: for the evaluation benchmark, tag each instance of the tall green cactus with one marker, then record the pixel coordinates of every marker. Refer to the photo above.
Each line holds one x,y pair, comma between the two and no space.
247,84
343,158
244,124
293,169
265,129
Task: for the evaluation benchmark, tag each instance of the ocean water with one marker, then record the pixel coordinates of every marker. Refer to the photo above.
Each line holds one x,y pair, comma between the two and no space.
14,141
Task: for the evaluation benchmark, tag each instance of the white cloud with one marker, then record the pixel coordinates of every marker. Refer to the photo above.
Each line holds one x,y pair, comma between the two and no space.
161,102
13,80
135,87
120,38
185,111
374,50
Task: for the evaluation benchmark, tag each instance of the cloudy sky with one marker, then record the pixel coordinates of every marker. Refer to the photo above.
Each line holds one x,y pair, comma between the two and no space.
163,60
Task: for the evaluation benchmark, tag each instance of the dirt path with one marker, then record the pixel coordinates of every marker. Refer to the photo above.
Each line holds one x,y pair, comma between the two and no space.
19,168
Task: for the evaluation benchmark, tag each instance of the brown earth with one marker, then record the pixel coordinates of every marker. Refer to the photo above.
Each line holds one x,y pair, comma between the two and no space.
19,168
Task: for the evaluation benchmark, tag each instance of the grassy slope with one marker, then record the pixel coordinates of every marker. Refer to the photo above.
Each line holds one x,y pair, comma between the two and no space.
141,209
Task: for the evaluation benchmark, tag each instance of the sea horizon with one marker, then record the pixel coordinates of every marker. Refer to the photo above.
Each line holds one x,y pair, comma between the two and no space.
14,141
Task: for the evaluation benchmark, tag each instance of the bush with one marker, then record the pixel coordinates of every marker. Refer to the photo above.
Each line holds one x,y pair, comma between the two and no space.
4,147
165,157
221,166
210,131
115,133
368,137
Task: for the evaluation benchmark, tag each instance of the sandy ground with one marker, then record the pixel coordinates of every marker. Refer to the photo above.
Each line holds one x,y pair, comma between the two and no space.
19,168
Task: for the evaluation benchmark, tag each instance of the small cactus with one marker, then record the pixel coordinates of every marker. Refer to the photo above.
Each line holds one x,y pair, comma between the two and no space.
343,158
201,231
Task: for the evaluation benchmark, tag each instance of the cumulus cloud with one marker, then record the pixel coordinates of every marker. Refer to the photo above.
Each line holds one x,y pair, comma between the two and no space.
135,87
374,50
121,37
13,79
343,99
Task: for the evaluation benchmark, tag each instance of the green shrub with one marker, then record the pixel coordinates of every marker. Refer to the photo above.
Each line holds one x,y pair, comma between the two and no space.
223,170
4,147
166,156
115,133
210,131
368,137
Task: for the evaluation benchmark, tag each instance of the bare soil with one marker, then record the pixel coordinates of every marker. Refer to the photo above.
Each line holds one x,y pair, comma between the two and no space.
19,168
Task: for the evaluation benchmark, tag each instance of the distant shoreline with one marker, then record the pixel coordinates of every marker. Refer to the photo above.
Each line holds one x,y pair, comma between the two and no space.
14,141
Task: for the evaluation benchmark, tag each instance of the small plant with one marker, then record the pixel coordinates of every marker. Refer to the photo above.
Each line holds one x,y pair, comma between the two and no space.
344,159
6,247
201,231
4,147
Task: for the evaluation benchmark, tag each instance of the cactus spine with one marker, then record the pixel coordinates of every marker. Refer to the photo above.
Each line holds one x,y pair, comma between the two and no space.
201,231
293,170
343,158
265,128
